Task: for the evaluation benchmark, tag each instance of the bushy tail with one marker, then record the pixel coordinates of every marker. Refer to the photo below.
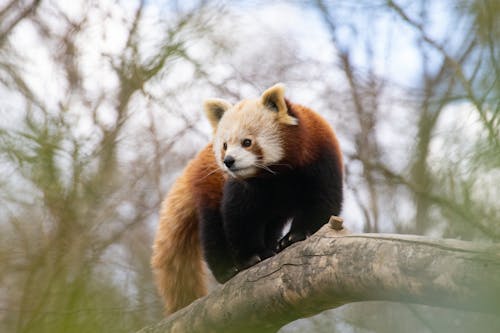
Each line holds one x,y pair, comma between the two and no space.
177,258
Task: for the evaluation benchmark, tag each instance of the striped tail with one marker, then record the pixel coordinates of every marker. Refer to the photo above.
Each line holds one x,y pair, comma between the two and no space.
177,257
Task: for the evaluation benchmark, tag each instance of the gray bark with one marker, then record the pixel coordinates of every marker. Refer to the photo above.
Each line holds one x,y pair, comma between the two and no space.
332,268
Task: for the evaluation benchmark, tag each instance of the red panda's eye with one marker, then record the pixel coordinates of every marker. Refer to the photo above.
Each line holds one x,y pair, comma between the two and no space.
246,142
224,146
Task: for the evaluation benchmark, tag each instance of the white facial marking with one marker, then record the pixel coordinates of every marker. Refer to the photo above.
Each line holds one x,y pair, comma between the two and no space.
248,119
243,158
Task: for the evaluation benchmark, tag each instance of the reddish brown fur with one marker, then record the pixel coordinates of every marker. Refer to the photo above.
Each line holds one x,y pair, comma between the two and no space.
303,143
206,178
177,258
256,149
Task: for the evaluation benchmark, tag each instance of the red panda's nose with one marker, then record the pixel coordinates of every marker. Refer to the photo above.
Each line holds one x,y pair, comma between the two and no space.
229,161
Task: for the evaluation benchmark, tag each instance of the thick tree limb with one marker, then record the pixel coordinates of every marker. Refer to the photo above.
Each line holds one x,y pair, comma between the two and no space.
331,269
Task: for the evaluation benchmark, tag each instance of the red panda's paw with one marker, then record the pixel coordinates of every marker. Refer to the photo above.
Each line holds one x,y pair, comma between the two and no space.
255,259
289,239
224,276
249,262
266,253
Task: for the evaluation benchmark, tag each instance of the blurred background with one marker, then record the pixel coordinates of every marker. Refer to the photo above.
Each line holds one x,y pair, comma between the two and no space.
100,109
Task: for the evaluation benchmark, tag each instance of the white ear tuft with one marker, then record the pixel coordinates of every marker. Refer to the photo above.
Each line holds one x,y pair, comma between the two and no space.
274,99
214,110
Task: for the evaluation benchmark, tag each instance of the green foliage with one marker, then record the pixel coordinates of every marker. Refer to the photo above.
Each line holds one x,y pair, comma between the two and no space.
87,155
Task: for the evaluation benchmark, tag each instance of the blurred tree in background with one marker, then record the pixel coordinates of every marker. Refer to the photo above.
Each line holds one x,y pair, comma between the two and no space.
100,110
83,152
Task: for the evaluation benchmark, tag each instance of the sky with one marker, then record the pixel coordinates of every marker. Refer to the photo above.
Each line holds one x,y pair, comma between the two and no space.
288,22
249,26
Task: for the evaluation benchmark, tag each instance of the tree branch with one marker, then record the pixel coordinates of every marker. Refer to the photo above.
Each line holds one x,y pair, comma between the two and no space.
332,268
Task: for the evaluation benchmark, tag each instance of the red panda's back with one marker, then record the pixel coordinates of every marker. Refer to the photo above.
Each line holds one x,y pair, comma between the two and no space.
313,135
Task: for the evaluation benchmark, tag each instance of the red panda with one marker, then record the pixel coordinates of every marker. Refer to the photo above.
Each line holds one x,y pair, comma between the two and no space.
270,161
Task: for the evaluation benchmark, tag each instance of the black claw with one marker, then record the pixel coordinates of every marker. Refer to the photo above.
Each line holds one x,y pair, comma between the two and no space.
223,277
289,239
250,262
266,254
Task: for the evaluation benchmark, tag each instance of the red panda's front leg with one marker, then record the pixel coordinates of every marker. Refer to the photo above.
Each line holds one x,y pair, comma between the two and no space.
244,214
215,247
320,197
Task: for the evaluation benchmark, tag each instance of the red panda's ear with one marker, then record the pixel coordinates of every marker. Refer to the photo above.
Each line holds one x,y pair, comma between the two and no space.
214,110
274,99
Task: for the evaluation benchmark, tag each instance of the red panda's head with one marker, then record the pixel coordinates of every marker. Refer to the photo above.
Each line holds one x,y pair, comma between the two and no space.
247,136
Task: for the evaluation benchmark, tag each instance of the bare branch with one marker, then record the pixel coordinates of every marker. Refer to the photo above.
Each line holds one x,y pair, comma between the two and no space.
25,12
454,63
331,269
